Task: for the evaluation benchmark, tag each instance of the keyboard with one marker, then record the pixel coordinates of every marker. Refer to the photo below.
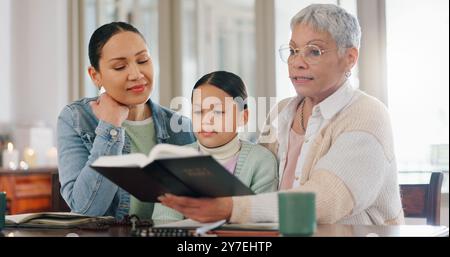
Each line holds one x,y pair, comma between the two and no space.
163,232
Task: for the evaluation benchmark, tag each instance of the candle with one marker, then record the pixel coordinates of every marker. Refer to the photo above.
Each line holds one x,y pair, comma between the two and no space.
10,157
12,166
23,165
29,156
52,157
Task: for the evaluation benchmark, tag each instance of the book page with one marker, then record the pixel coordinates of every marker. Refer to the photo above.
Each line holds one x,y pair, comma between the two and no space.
22,218
61,223
51,219
160,151
187,223
19,218
252,226
166,151
129,160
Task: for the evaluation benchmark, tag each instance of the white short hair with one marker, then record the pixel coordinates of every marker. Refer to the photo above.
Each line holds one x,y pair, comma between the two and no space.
343,26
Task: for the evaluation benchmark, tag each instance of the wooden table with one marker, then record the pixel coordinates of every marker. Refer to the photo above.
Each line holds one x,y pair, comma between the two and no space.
28,190
322,231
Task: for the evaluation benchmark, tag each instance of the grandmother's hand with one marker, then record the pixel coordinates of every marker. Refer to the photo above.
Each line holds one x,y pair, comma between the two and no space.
109,110
202,210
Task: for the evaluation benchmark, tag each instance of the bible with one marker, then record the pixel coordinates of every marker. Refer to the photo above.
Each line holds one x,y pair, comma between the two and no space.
177,170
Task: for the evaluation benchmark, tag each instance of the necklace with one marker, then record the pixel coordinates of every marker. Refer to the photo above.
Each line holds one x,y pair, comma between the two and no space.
301,114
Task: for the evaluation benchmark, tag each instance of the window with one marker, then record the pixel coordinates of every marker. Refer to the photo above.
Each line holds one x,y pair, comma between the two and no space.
143,14
285,11
5,69
418,79
217,35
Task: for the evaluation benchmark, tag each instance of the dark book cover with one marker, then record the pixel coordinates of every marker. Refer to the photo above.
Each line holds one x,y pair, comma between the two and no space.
199,176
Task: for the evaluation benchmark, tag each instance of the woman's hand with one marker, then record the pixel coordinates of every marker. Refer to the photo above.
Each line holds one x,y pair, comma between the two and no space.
109,110
202,210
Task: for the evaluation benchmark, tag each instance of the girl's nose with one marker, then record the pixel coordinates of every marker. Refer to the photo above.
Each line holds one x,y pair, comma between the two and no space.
208,118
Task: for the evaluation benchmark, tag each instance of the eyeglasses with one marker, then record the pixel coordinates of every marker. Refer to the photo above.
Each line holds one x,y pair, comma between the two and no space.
311,54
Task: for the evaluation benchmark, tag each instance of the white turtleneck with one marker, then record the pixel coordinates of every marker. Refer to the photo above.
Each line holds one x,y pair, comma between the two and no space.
225,153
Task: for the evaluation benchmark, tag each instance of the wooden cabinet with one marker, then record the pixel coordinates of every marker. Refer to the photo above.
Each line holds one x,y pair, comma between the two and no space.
28,191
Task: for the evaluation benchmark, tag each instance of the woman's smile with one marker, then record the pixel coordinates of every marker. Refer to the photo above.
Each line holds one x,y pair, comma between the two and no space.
138,88
301,80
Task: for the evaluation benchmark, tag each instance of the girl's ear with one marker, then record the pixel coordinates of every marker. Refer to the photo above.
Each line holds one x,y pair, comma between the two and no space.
243,118
95,77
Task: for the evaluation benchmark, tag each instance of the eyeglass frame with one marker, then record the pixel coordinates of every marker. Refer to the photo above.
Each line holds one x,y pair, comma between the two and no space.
302,52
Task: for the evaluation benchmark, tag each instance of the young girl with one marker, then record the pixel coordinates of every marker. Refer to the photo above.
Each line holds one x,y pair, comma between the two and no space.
218,110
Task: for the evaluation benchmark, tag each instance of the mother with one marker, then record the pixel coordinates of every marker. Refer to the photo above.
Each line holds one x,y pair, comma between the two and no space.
332,139
123,120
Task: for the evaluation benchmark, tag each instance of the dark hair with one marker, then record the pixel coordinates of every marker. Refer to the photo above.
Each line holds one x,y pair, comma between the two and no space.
229,82
102,35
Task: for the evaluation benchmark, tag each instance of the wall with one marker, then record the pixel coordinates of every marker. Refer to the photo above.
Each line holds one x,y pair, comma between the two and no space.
372,59
40,60
5,72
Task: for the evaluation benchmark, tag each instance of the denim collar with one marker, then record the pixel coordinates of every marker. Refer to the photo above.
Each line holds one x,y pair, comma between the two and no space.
160,121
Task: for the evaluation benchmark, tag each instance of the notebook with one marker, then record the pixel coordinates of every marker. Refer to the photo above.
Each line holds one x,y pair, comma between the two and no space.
54,220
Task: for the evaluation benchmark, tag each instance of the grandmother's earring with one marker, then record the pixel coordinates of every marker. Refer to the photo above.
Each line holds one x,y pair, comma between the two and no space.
348,74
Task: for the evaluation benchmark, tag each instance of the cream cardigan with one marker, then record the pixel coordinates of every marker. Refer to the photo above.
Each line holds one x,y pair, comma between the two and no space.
351,167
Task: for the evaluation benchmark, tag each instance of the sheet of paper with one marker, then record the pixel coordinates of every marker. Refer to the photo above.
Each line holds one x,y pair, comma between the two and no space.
187,223
252,226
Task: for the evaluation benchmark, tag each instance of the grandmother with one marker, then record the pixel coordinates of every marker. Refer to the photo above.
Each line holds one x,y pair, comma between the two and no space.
332,139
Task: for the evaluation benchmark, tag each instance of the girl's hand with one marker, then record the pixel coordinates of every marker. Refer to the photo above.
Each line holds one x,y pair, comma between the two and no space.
203,210
109,110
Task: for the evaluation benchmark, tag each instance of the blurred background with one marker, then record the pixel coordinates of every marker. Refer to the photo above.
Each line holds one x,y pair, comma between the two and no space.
404,63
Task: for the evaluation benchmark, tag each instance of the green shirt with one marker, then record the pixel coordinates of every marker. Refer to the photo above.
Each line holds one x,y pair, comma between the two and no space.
142,137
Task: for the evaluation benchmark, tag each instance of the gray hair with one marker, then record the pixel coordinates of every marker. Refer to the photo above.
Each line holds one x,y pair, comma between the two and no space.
343,26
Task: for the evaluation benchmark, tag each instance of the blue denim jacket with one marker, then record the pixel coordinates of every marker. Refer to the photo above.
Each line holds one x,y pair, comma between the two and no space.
82,138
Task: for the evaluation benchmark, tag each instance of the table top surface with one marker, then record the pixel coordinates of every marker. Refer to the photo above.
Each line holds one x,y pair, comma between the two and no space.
322,231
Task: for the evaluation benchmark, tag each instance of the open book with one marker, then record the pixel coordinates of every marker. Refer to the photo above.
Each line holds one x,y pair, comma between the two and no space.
54,220
171,169
160,151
